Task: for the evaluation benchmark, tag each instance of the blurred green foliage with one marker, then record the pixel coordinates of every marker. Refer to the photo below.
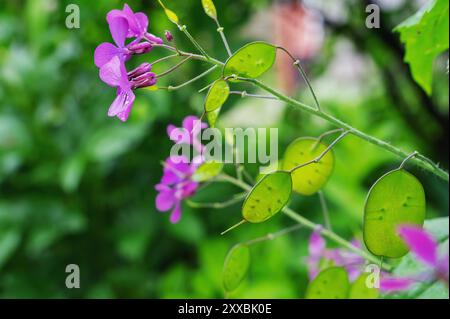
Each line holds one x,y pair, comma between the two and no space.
78,187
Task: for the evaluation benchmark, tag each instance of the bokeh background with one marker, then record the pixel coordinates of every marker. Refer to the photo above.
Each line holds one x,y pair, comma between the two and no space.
78,187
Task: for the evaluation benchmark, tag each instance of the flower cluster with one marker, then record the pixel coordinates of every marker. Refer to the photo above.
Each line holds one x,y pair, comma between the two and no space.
425,248
177,183
321,257
111,58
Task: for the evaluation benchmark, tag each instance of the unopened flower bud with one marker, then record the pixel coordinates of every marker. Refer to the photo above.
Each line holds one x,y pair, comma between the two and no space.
145,80
141,69
168,35
141,48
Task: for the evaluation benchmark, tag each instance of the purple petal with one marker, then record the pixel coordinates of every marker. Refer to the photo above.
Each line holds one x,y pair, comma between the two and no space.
189,121
142,22
128,105
114,14
104,53
442,269
395,284
122,105
421,244
175,216
165,201
178,135
317,244
189,189
154,38
111,72
119,29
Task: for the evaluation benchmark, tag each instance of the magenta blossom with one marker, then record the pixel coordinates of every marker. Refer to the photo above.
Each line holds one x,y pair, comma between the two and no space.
114,74
175,186
137,24
425,248
319,255
188,134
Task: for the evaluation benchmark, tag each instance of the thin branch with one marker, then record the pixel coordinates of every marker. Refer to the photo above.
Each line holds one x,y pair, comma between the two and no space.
236,199
318,158
173,88
272,236
244,94
175,67
325,211
298,65
414,154
419,160
224,39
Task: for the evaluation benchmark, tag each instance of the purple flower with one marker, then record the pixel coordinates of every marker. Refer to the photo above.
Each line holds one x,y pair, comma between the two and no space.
188,134
423,246
114,74
137,24
175,186
320,255
106,51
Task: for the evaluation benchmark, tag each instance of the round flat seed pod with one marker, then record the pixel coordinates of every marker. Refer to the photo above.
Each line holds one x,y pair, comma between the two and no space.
236,266
309,179
251,61
267,197
207,171
395,199
331,283
217,95
360,290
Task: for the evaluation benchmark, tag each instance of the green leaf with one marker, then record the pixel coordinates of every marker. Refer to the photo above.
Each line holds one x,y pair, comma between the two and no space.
359,289
212,117
309,179
236,266
71,173
396,198
9,242
267,197
217,95
210,8
251,61
331,283
207,171
112,141
425,35
170,14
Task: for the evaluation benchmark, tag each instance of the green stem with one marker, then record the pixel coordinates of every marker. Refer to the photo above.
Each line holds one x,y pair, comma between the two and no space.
224,38
175,67
419,159
219,205
194,42
173,88
272,236
325,211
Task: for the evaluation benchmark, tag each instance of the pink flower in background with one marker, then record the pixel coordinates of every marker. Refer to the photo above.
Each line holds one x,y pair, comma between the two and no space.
425,248
319,254
176,185
188,133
